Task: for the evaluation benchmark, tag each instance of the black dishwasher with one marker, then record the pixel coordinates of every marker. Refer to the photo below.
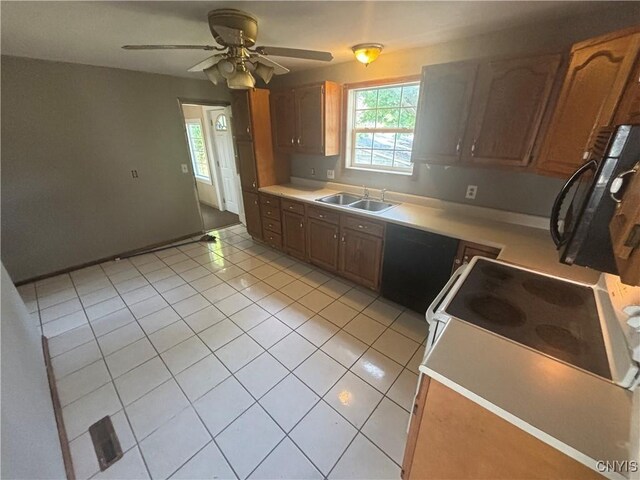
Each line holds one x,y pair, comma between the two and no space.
416,266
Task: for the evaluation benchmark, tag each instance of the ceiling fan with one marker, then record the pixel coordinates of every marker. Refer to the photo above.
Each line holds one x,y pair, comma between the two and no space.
236,32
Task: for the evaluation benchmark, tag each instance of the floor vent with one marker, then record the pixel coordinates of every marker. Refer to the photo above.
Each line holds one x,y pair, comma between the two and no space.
105,442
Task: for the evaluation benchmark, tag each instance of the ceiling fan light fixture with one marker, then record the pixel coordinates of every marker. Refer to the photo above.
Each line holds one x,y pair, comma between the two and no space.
226,68
264,72
367,52
242,80
213,74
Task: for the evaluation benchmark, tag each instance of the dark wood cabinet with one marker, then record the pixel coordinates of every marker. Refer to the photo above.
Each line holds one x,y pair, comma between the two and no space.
293,235
509,102
629,109
307,119
360,257
241,119
599,71
252,214
446,91
323,244
468,250
247,166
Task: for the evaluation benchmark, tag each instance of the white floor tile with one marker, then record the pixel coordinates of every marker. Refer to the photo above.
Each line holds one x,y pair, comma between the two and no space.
249,317
289,401
264,271
412,325
365,329
79,415
70,340
169,447
292,350
294,315
239,352
296,289
344,348
387,428
206,282
129,357
159,274
111,322
220,334
185,265
185,354
120,338
75,359
191,305
149,306
364,460
383,311
404,389
275,302
338,313
129,467
396,346
101,309
335,288
317,330
353,398
249,439
269,332
229,272
222,405
81,382
194,273
233,304
261,374
279,280
416,360
243,281
357,299
179,293
286,461
201,377
204,319
319,372
98,296
64,324
218,293
315,278
315,300
155,408
132,284
60,310
170,336
323,436
158,320
377,370
207,463
139,294
258,291
141,380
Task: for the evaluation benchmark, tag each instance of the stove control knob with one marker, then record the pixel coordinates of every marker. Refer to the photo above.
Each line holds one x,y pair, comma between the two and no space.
634,323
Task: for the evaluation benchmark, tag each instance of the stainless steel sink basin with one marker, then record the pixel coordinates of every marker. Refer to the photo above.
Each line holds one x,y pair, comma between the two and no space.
372,205
340,199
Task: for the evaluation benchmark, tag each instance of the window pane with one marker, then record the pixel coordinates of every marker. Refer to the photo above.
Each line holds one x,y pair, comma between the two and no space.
366,99
404,141
408,118
198,152
384,141
402,159
388,118
389,97
363,157
364,140
410,96
383,158
365,119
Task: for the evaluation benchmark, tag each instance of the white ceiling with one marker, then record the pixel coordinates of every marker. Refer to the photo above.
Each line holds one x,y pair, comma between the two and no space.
92,32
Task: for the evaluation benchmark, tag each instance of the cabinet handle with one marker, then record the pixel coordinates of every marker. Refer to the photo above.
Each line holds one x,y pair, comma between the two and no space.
362,226
335,236
301,224
457,261
320,215
298,140
270,225
473,148
253,184
292,140
458,145
248,130
290,207
343,237
255,201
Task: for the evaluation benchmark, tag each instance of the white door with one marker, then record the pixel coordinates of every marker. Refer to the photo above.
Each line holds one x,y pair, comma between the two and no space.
220,122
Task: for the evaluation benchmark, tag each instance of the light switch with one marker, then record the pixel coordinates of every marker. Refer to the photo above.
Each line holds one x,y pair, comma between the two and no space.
185,168
331,174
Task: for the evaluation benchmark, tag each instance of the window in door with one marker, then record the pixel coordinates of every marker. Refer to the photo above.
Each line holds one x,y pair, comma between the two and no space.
221,123
198,150
380,124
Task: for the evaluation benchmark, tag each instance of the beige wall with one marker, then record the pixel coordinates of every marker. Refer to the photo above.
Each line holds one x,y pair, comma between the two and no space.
520,192
30,442
71,134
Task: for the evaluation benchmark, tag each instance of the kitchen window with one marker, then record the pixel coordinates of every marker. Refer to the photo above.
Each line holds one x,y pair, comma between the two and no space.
380,124
198,150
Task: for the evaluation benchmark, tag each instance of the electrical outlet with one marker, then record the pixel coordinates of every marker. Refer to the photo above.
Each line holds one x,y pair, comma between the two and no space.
331,174
471,192
185,168
313,172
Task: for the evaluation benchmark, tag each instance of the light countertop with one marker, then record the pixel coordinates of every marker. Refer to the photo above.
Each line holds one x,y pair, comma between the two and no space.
522,245
585,417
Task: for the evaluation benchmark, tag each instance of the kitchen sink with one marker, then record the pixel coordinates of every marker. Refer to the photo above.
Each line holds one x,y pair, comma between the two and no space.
372,205
340,199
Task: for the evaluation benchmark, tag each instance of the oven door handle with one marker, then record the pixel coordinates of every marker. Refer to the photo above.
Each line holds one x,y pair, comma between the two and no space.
445,290
556,236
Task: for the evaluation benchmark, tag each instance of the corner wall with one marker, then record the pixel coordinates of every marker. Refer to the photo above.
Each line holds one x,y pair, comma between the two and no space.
71,134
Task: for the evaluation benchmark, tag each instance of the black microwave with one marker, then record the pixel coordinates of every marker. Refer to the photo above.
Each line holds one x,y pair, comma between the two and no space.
584,207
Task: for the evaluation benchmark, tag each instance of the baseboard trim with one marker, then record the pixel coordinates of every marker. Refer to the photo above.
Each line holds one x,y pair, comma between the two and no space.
57,411
107,259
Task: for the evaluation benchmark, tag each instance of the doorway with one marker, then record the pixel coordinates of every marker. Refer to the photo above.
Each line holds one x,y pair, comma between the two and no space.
210,143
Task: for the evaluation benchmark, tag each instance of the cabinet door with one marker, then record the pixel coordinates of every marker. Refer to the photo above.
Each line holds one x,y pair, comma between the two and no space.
293,234
468,250
247,164
360,257
283,122
309,105
323,244
509,102
241,115
629,109
443,110
592,87
252,214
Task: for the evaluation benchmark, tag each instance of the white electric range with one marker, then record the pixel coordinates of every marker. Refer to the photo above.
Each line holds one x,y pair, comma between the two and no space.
592,328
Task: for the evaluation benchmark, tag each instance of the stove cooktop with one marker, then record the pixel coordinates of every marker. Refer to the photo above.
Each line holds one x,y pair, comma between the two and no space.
549,315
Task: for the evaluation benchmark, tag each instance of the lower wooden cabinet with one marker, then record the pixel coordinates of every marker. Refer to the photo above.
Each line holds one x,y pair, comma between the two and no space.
293,234
252,214
468,250
361,257
323,244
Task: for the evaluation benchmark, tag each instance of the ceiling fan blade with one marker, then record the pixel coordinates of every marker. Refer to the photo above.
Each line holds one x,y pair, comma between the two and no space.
206,63
296,53
168,47
277,68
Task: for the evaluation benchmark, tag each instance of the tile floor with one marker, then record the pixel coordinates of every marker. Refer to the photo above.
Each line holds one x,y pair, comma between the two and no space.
230,360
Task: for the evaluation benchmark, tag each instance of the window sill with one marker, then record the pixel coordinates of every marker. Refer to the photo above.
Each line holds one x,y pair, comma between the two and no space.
391,172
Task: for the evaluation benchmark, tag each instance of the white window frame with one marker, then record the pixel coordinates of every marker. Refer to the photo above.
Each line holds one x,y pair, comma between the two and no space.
203,178
350,136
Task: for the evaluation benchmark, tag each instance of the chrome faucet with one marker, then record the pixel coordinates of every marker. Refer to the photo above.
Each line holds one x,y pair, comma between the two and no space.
382,192
366,191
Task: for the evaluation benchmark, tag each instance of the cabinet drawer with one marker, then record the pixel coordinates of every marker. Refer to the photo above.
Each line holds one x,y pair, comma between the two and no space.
269,201
271,212
361,225
322,214
272,225
295,207
272,239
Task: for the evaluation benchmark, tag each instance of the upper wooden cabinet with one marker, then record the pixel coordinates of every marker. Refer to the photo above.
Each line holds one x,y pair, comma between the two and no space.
509,101
598,73
443,109
306,119
241,119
